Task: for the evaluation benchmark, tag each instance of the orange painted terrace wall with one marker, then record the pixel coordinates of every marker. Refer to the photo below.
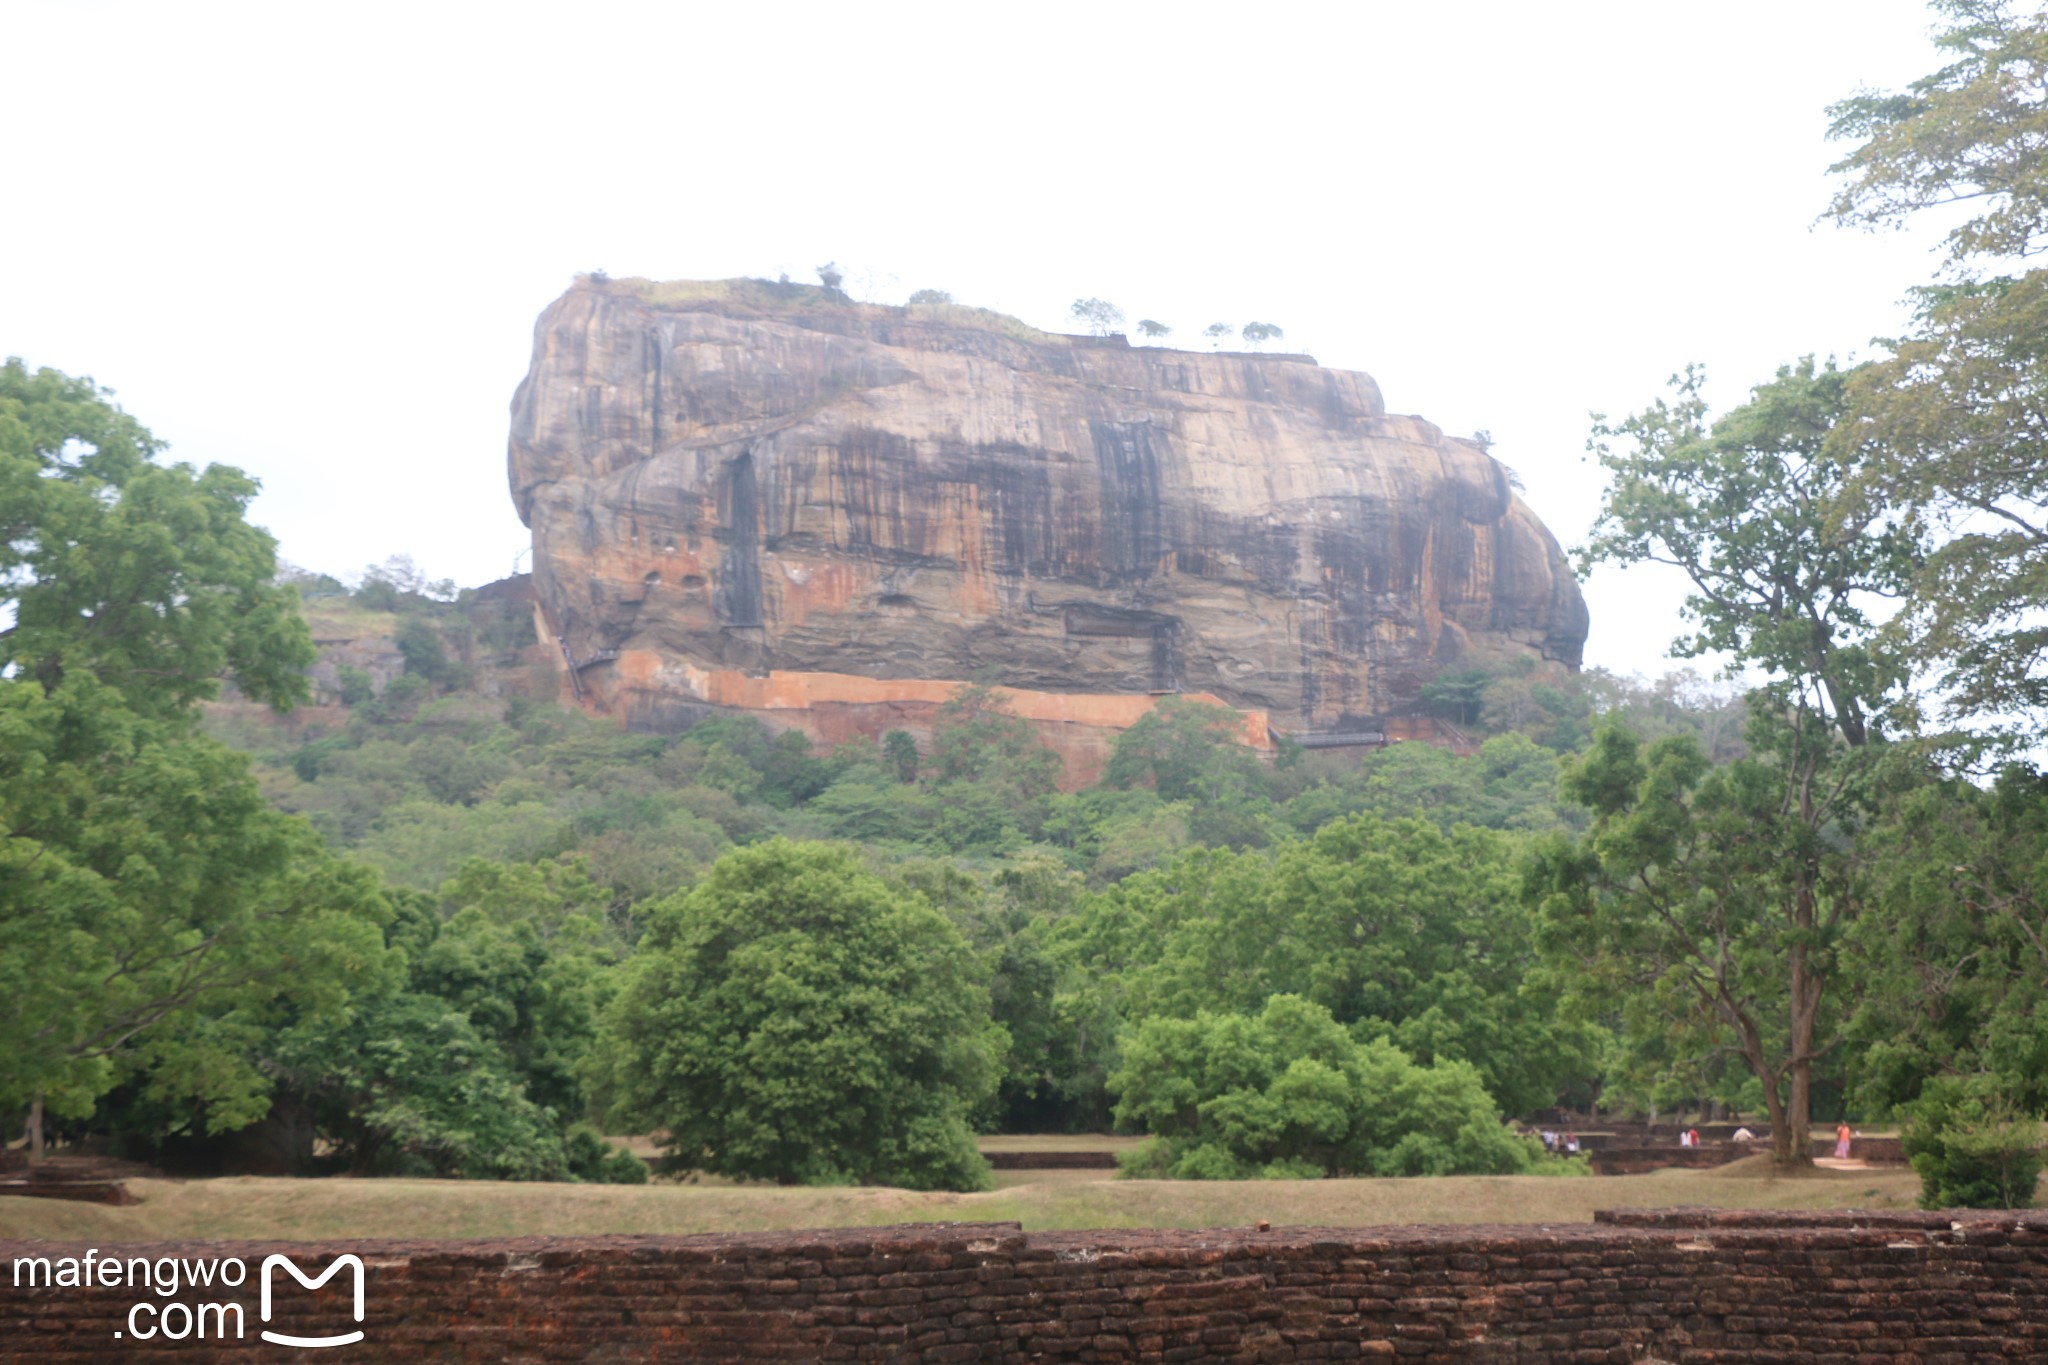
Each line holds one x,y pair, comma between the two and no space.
832,708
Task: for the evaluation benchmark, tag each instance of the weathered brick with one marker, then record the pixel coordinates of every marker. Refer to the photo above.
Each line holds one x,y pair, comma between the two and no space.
1676,1285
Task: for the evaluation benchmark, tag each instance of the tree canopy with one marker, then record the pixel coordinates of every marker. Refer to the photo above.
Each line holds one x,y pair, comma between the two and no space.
156,910
1969,132
1953,415
794,1019
145,575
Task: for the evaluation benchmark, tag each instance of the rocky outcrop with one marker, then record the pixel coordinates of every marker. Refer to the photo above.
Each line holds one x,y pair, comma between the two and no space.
736,485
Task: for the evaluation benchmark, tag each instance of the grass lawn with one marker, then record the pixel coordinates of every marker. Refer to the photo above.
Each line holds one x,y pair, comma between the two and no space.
1056,1142
329,1210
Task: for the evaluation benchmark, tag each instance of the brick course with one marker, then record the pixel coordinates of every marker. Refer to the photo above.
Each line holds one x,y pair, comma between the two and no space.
1666,1285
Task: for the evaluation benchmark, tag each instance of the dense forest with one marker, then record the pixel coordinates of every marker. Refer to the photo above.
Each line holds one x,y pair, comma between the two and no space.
267,905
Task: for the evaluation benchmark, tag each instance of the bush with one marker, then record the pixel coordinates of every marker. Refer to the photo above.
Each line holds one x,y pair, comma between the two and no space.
1290,1094
1971,1147
354,685
623,1168
407,1086
593,1160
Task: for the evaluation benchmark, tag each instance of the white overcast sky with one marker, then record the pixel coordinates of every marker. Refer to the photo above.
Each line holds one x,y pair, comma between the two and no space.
311,240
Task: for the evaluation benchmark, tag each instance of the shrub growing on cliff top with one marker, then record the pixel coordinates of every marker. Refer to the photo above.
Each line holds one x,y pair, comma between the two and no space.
1099,316
794,1019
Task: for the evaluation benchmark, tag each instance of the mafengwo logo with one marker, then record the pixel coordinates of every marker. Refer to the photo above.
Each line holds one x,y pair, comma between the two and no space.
166,1317
351,1262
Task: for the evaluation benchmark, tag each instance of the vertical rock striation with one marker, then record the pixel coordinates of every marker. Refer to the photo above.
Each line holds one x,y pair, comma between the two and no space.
739,489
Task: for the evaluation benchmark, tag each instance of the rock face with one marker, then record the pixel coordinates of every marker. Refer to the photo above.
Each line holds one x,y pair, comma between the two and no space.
737,489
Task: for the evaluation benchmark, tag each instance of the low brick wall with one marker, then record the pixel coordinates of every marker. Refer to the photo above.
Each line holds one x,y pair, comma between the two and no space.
1883,1150
1637,1160
1676,1286
86,1191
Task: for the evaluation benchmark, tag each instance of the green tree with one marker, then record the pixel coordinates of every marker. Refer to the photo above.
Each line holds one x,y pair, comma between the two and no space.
1955,969
147,892
154,911
924,296
419,644
354,687
1971,1148
1708,904
1458,697
525,954
1954,411
1394,926
1152,329
1760,510
405,1085
901,752
144,575
1257,334
794,1019
976,738
1756,508
1099,316
1969,133
1954,418
1288,1093
1186,750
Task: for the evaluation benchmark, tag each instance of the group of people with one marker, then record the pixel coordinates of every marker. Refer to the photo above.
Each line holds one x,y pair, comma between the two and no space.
1844,1137
1567,1143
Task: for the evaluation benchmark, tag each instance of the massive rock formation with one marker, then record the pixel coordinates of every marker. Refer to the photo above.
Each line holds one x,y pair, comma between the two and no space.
770,496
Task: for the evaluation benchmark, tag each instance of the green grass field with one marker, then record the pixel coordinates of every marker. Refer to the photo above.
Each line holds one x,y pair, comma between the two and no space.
1056,1142
325,1210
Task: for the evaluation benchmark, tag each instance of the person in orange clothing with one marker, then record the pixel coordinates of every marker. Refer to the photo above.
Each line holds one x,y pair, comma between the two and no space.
1842,1136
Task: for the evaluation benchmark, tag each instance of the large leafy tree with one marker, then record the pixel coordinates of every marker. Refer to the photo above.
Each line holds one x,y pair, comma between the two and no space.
1959,414
1955,413
1396,927
145,575
975,738
153,907
1969,133
1288,1092
1757,508
1706,911
405,1084
153,910
1725,890
795,1019
1956,968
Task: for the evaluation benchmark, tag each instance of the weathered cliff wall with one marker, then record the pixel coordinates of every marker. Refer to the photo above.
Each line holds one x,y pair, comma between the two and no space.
1781,1287
750,479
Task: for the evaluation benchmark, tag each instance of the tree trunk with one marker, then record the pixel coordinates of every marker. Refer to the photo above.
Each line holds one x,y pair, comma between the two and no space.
1793,1147
35,1131
1800,1125
1781,1127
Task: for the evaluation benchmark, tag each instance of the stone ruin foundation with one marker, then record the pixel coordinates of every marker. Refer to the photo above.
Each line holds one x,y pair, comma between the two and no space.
1666,1285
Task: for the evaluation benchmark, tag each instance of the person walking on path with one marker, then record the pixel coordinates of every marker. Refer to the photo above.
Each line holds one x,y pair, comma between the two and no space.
1842,1136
